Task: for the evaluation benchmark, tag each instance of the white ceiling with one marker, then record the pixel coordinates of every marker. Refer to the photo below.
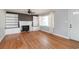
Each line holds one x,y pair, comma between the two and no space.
35,11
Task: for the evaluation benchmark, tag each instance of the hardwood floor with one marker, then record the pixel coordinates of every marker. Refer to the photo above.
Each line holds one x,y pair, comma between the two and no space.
36,40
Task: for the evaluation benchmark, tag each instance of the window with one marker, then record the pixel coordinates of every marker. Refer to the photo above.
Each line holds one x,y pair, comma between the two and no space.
44,21
11,21
35,21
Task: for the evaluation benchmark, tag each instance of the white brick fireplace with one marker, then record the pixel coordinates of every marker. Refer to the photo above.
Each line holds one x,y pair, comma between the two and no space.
23,23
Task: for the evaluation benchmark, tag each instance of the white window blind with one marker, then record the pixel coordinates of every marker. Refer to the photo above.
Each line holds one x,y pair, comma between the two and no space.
11,21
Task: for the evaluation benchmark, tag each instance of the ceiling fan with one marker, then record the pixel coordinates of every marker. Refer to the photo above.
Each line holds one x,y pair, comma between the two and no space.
30,12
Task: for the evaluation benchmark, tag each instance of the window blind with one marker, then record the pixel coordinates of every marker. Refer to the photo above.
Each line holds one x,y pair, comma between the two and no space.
11,21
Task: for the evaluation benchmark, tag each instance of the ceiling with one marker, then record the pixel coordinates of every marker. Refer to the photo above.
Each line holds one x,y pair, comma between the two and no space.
35,11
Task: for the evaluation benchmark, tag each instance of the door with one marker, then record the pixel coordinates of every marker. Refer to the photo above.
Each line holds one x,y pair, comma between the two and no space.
74,25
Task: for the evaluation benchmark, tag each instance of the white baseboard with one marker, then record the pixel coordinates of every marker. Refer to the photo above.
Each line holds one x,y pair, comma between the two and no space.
61,35
56,34
2,38
45,31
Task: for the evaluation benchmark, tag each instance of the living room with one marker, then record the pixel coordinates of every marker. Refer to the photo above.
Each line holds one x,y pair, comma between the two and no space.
18,26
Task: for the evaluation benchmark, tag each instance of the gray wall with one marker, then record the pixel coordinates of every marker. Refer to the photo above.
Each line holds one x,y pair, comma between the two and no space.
61,22
2,24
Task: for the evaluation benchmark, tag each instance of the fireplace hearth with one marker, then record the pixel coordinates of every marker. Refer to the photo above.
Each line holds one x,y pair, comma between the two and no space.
25,28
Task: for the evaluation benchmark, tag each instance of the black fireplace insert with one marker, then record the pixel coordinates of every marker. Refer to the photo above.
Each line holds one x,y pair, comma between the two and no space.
25,28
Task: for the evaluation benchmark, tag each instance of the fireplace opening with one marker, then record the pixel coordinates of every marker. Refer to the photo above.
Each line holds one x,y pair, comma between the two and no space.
25,28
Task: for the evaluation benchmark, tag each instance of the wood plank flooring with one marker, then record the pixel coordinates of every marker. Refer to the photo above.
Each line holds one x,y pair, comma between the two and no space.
37,40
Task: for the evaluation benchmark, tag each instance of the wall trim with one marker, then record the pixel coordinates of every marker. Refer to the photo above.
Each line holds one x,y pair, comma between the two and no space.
56,34
2,38
45,31
61,35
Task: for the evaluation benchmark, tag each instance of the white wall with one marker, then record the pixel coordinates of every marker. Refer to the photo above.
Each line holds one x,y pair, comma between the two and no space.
51,22
61,22
12,31
2,24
